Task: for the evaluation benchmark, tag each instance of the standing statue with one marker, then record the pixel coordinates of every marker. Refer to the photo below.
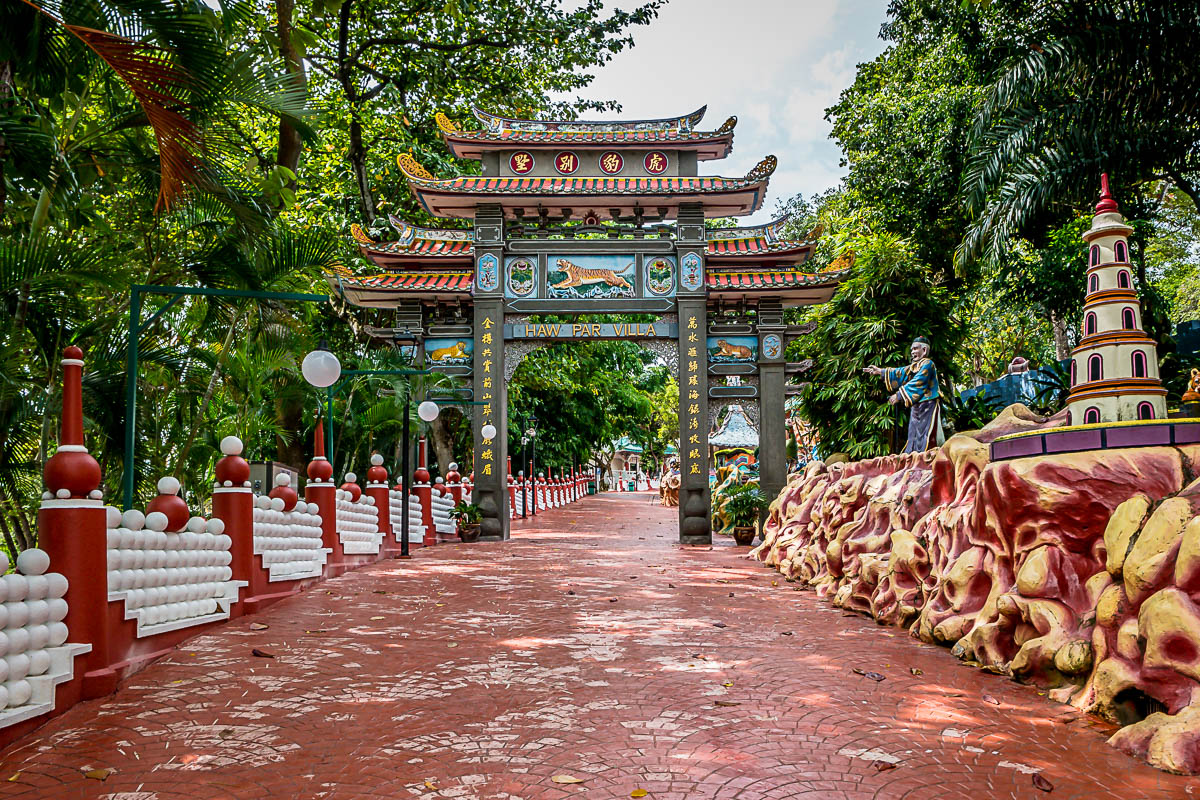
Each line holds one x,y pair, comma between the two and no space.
916,385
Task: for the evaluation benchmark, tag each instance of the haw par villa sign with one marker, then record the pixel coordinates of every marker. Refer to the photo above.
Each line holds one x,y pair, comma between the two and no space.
573,218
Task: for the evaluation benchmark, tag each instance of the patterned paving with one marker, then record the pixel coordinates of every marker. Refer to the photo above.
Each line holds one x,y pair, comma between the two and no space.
591,647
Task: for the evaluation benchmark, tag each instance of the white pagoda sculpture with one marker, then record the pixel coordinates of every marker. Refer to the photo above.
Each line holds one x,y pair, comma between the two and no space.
1114,370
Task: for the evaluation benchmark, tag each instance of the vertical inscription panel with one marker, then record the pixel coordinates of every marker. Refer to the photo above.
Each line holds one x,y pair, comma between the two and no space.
694,522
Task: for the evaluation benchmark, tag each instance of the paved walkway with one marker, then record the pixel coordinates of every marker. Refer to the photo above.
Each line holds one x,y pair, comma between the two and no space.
591,647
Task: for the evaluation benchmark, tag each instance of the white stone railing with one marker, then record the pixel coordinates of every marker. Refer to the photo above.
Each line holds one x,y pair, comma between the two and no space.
358,524
33,640
169,580
442,503
416,528
289,542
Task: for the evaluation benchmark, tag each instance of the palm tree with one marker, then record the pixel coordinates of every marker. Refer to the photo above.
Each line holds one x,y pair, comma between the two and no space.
1097,90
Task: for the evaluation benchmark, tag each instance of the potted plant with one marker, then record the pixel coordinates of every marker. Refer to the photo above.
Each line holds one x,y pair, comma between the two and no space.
467,516
744,505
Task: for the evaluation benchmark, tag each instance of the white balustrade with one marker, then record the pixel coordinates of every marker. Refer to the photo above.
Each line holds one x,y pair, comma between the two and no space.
416,528
442,503
169,580
33,637
358,524
289,542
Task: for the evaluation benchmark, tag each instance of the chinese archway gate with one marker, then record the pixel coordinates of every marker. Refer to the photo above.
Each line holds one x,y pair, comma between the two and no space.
572,218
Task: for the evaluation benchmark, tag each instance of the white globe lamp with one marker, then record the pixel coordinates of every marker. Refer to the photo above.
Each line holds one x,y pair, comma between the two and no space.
488,431
321,368
428,411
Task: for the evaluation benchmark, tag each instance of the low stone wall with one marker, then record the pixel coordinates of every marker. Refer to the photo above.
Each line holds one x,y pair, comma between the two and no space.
1079,572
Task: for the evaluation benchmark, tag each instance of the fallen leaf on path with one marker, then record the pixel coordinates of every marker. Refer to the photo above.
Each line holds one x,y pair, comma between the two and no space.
875,676
718,624
612,599
99,774
431,786
731,594
375,618
727,684
727,703
380,591
566,779
15,775
638,793
916,671
261,653
570,591
670,586
785,633
987,698
883,766
258,626
452,644
1042,783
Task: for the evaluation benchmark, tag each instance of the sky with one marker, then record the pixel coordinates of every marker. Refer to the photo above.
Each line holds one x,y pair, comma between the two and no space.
775,64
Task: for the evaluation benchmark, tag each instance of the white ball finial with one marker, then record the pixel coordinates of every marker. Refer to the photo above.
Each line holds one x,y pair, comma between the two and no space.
454,466
283,479
351,477
168,485
33,562
157,521
231,446
133,519
63,494
376,460
113,516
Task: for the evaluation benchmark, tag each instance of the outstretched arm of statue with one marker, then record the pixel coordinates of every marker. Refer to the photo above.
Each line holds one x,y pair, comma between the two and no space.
873,370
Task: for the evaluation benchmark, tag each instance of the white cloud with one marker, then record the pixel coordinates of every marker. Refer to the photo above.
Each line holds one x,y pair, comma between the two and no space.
776,64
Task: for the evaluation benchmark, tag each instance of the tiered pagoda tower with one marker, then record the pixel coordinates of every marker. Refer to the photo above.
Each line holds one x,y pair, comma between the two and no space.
1114,370
574,218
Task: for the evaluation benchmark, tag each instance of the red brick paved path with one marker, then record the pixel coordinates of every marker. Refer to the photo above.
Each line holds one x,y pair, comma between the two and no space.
472,672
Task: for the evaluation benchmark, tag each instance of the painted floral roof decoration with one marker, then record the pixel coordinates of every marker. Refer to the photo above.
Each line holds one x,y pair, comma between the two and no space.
497,124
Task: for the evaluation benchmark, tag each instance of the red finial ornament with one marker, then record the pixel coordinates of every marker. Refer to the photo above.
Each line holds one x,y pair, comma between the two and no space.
1107,203
319,469
170,504
376,473
71,471
232,470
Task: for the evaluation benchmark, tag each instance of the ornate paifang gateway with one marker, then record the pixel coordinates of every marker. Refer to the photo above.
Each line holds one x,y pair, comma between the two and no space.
576,217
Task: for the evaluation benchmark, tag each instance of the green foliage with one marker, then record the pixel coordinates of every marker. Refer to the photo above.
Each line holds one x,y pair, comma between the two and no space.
743,503
465,513
887,300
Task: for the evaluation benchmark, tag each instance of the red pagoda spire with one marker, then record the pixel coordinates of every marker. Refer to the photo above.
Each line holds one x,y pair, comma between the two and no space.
1107,204
72,472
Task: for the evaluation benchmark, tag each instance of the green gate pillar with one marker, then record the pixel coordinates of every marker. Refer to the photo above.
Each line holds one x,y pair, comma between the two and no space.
772,437
695,525
491,455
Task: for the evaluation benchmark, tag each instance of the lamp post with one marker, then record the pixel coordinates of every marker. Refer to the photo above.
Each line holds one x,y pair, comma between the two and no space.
322,369
531,436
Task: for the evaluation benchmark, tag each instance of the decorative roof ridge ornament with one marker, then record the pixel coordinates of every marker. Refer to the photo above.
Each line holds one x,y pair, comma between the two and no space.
1107,204
445,124
360,235
727,126
412,168
497,124
768,230
409,233
763,169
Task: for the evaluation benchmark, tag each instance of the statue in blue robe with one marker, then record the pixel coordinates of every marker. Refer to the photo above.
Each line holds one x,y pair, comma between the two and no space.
916,386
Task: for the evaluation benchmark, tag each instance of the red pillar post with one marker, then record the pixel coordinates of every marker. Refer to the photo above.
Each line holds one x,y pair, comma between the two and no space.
424,493
73,530
377,489
454,483
320,491
233,504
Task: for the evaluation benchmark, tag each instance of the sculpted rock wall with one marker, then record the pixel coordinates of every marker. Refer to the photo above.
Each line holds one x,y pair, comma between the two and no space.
1077,572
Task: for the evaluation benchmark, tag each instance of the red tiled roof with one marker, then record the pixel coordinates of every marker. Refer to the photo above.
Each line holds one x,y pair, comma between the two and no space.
414,281
770,279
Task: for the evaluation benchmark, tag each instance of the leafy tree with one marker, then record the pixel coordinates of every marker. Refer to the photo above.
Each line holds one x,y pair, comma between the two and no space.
887,300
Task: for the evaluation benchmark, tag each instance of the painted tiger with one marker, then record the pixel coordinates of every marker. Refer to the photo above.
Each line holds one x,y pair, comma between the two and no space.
456,350
579,276
728,350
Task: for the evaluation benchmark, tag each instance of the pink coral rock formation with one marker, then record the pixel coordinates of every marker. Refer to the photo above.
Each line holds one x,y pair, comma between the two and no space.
1077,572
